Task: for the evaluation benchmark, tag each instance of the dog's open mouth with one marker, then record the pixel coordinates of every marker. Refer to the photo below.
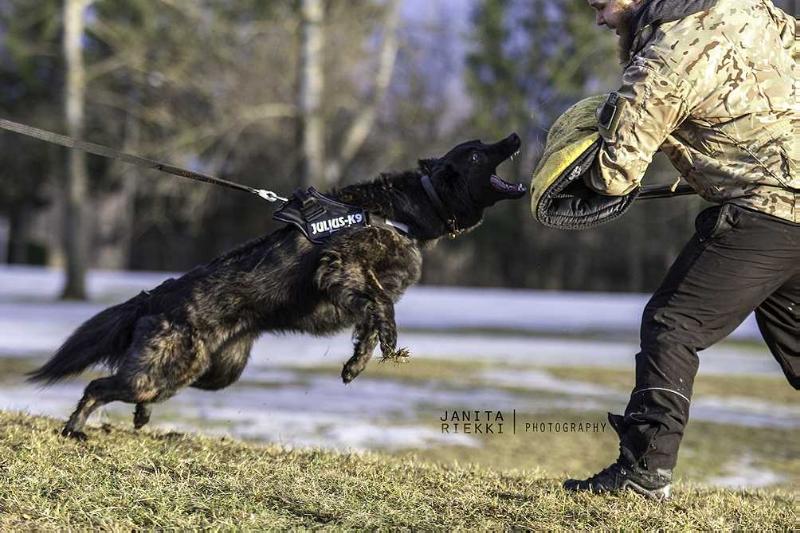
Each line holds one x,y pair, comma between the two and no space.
510,190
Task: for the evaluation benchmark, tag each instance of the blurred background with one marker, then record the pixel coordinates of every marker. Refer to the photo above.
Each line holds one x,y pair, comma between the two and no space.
278,94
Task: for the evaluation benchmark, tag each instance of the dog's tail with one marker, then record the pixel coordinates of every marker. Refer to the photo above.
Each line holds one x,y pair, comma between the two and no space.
103,339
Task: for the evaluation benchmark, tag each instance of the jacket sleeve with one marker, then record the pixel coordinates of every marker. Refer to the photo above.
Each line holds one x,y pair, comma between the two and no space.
650,105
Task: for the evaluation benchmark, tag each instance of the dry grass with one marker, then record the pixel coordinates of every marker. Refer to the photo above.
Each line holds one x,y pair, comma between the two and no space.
121,480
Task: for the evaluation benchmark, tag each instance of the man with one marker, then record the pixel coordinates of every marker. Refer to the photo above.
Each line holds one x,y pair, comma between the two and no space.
714,85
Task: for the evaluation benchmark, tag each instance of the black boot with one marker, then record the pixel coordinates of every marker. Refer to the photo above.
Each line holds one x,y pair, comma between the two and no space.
624,475
627,473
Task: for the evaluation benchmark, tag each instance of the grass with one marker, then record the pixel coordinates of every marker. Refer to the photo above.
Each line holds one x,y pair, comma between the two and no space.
773,389
13,369
755,347
766,388
122,480
415,369
709,450
181,481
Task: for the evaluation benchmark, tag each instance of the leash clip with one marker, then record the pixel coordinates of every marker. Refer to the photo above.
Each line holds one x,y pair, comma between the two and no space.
270,196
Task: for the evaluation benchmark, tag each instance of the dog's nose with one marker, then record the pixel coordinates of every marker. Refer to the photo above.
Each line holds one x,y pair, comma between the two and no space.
512,140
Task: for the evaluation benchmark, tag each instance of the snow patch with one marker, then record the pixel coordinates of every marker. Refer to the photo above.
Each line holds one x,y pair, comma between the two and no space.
743,474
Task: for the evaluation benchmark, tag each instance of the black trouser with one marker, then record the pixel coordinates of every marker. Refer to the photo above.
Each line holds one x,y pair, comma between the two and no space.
738,261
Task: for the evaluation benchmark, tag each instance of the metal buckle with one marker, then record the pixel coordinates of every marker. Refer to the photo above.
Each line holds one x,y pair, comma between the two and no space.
606,114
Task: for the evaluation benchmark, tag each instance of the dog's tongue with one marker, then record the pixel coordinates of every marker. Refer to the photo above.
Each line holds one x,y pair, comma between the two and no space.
515,190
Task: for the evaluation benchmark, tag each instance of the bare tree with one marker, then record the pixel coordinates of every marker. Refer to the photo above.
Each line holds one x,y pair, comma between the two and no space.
315,169
75,237
365,119
209,94
113,212
311,84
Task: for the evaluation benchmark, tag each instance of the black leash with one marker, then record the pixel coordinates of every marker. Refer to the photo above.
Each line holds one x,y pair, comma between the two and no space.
647,193
110,153
313,213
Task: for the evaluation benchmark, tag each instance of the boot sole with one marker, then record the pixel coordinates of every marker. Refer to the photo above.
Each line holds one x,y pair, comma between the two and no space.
661,494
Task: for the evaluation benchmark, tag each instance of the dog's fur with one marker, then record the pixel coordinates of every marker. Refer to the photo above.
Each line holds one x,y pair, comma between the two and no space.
197,330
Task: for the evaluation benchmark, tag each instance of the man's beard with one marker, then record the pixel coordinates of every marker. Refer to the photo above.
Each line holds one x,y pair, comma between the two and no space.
625,30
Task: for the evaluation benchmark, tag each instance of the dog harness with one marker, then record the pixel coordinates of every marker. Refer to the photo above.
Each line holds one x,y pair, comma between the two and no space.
319,217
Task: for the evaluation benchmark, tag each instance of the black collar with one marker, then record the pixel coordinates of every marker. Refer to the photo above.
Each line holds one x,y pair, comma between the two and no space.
448,219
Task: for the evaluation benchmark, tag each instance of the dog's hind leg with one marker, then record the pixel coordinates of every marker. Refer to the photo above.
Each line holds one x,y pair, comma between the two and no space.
141,416
366,338
98,393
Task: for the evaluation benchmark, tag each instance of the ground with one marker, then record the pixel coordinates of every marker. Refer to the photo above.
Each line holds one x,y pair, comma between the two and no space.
381,457
122,480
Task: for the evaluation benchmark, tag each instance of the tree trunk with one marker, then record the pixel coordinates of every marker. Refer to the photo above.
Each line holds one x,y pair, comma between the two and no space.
364,120
75,238
18,235
114,215
311,84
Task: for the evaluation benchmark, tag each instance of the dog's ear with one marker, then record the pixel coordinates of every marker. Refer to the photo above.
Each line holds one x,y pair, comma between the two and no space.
437,167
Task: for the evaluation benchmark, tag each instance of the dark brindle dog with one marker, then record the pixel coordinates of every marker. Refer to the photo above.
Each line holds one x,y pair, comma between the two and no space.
198,330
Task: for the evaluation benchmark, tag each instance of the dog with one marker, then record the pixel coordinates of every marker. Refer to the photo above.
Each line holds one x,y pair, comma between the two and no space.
198,330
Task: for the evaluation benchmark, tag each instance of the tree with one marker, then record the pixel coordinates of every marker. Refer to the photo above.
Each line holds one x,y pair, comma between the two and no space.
77,180
309,93
534,59
205,97
315,168
30,77
364,119
213,86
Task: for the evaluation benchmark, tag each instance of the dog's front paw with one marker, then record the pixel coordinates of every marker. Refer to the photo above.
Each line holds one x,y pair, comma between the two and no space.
396,356
141,416
349,373
72,434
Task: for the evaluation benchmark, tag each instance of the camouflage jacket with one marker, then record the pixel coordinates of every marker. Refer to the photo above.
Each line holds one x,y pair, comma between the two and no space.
713,84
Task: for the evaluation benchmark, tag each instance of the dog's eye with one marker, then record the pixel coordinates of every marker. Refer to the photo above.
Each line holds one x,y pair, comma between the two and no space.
476,157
